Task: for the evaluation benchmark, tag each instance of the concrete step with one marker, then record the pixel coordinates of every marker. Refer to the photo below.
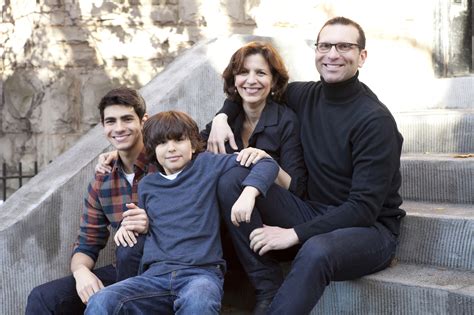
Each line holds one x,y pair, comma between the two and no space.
402,289
437,130
440,178
437,234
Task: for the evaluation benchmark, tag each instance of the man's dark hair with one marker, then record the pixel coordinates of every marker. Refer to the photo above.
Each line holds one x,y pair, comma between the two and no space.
345,21
123,96
275,63
170,125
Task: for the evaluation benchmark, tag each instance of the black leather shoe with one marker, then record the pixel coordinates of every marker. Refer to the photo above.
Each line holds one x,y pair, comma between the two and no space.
261,307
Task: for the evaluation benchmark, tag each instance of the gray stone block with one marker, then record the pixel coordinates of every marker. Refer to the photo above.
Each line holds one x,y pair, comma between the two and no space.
438,235
401,289
437,178
437,131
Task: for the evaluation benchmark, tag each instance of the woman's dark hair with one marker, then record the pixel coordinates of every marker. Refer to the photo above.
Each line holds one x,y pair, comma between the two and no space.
123,96
275,63
170,125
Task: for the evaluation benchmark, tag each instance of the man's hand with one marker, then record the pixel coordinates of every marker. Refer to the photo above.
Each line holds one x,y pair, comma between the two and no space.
220,133
125,238
251,156
87,283
267,238
243,207
103,165
135,219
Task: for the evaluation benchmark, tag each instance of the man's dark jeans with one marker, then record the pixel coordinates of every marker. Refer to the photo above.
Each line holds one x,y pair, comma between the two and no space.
60,296
342,254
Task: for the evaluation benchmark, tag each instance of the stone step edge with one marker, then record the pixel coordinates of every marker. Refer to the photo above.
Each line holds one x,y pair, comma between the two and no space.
401,289
434,111
442,157
422,276
437,178
419,276
437,234
441,210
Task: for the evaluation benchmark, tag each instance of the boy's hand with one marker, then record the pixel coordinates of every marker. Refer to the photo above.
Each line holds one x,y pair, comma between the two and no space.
220,133
125,238
251,156
243,207
103,165
135,219
87,284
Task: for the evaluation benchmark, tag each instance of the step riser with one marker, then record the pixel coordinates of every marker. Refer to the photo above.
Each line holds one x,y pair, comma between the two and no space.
441,242
368,297
438,181
437,133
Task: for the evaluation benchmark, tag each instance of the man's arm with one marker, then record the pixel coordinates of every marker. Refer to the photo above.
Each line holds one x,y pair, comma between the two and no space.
87,282
93,236
93,229
267,238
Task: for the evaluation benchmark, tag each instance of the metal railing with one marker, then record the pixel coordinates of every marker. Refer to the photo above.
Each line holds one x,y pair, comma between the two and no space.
20,176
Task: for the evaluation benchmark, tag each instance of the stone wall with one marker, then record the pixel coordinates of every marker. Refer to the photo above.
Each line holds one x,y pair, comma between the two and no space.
60,56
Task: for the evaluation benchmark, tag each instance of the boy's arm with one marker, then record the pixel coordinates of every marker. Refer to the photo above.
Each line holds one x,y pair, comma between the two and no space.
267,169
262,175
243,207
249,156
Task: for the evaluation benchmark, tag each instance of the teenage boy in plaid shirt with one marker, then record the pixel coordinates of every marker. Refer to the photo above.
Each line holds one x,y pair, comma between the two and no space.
110,199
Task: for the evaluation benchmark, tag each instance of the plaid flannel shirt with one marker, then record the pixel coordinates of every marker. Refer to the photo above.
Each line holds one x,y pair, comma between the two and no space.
104,205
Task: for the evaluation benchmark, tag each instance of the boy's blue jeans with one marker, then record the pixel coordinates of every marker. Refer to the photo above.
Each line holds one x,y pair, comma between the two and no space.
185,291
60,296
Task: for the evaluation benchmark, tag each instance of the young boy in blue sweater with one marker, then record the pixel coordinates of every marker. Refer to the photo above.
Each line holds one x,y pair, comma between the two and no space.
182,265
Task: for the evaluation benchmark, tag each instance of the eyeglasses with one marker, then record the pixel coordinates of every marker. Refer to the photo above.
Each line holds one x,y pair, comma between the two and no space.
340,47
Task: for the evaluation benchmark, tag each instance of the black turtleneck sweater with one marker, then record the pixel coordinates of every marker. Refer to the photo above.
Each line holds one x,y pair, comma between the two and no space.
352,152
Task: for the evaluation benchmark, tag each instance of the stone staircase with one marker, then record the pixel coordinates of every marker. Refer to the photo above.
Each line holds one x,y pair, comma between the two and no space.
433,272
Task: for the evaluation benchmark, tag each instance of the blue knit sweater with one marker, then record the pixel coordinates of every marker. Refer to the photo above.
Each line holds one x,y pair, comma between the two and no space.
184,212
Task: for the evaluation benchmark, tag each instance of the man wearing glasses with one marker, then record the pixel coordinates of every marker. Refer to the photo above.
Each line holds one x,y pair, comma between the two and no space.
348,225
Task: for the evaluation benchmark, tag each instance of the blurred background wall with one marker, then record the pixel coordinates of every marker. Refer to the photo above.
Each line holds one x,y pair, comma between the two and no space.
59,57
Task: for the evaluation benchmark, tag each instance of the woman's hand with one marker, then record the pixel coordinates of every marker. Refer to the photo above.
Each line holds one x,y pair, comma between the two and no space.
220,133
103,165
251,156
